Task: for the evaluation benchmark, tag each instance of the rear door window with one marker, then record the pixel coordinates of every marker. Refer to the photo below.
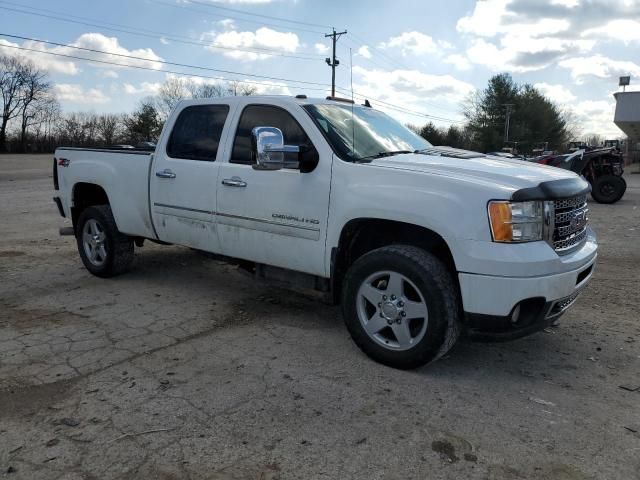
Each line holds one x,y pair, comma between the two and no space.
197,131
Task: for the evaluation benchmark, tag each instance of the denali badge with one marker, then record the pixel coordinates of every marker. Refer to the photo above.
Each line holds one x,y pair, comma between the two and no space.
293,218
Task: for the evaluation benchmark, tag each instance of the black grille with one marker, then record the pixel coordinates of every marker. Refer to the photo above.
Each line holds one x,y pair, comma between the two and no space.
571,219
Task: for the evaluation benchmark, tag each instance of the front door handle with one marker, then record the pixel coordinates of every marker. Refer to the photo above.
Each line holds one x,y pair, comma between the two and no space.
234,182
166,173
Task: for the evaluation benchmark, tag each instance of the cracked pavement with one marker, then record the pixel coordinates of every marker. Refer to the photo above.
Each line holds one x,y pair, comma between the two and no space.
189,368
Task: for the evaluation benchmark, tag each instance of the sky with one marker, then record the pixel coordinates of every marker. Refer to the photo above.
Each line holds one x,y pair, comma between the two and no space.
416,60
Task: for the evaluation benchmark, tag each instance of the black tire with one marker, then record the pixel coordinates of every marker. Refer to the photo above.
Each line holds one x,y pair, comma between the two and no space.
118,246
608,189
438,289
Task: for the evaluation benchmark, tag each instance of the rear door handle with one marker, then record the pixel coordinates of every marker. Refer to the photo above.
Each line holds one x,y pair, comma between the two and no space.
166,173
234,182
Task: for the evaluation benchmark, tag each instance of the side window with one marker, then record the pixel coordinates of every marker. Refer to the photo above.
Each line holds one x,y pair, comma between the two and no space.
266,116
197,131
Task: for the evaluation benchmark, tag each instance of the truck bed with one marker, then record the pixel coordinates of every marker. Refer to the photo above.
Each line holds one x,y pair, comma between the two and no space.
123,173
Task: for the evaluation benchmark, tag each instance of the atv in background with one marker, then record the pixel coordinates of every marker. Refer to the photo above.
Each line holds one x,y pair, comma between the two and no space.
601,167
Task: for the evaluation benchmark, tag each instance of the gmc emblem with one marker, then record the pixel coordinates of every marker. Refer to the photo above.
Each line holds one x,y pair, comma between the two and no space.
578,221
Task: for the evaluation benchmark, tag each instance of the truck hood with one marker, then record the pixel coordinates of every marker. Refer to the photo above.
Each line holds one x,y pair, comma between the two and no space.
504,173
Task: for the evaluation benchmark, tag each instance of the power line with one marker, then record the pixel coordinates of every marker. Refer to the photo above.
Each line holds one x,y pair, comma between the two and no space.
402,109
284,82
270,17
158,35
390,59
163,62
403,66
177,38
208,13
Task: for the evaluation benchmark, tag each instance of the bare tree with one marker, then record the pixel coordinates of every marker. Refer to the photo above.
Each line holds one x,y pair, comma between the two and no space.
171,92
237,88
594,139
12,80
35,90
206,90
109,127
46,120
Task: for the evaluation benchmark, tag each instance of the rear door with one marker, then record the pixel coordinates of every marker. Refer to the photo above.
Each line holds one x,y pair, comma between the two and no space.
275,217
184,176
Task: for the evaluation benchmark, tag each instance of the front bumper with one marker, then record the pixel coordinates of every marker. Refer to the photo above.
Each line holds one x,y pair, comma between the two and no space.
500,307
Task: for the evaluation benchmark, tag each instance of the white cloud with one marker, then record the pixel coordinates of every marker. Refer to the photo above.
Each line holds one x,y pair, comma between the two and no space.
485,20
566,3
263,38
97,41
556,93
227,24
412,43
526,35
364,51
521,54
239,2
412,90
145,88
47,62
108,74
459,61
269,88
596,116
623,30
599,66
321,48
164,41
73,92
93,41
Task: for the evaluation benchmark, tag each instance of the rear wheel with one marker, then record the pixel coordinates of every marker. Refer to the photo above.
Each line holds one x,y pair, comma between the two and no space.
401,306
608,188
104,251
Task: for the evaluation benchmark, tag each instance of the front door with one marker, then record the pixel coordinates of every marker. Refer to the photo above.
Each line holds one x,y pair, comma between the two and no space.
274,217
183,178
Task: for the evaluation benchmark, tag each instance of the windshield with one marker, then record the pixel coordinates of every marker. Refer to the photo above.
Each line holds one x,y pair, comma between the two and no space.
366,133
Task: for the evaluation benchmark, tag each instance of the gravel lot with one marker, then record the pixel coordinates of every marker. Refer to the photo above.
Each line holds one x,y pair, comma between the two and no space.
188,368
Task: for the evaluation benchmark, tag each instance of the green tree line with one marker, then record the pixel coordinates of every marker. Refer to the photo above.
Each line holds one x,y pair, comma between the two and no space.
533,120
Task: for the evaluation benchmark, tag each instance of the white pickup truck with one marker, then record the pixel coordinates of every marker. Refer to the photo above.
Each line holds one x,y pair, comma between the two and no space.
418,243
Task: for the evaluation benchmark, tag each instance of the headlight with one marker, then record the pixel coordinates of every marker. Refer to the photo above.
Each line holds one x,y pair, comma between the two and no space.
516,221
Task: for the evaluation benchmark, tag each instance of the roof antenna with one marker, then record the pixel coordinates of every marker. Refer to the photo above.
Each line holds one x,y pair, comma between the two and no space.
353,126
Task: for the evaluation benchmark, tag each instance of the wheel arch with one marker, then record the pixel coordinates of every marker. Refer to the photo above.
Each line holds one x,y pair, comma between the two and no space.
362,235
86,194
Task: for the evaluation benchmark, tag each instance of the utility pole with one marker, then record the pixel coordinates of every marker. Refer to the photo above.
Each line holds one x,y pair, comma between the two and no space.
508,106
334,62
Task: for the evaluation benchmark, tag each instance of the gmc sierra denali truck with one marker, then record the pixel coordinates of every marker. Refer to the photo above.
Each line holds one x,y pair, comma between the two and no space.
417,243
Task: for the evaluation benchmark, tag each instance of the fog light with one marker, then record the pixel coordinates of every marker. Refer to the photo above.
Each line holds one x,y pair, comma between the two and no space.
515,316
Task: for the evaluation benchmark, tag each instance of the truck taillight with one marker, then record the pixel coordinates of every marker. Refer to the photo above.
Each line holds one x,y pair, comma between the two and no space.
55,174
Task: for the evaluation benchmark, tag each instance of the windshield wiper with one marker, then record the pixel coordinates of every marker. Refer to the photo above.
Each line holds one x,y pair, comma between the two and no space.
368,158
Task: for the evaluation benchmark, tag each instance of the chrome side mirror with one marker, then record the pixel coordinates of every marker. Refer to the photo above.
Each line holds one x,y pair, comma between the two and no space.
269,149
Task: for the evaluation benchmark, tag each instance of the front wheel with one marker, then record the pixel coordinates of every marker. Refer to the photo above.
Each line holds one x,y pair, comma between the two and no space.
401,306
608,188
104,251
